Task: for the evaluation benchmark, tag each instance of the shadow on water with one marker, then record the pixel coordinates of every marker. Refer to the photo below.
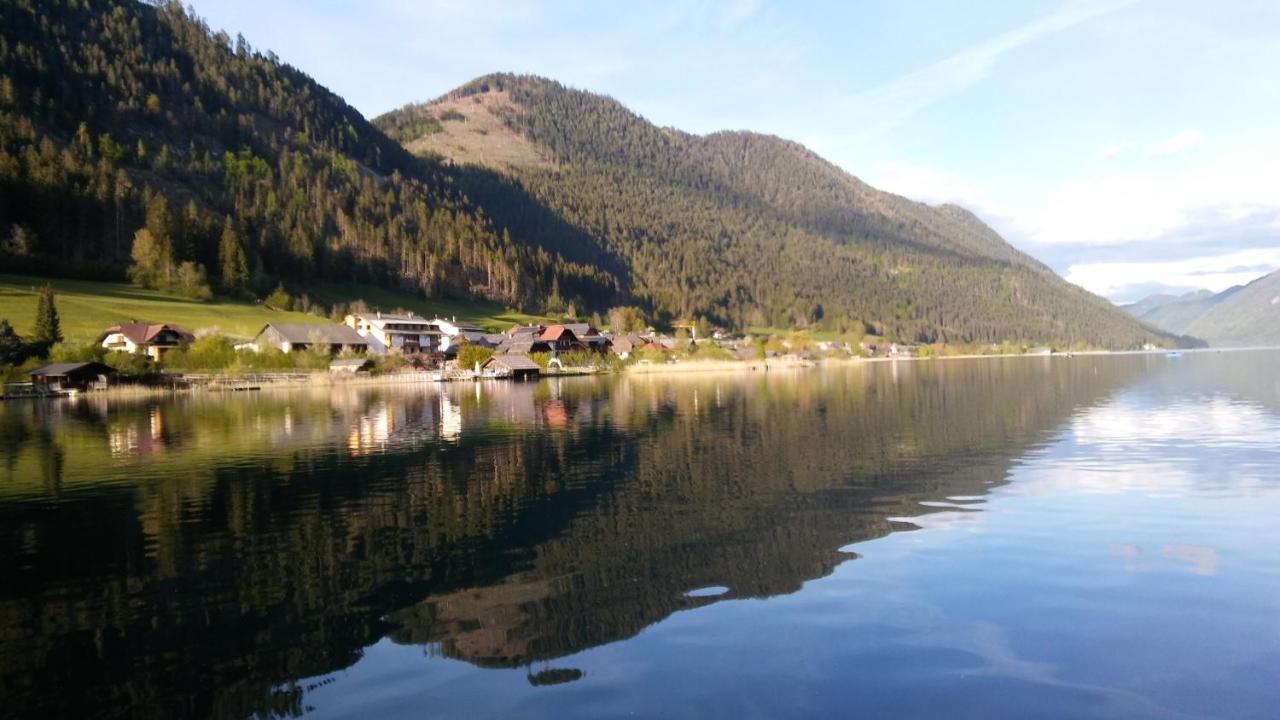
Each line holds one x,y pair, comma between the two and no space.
196,557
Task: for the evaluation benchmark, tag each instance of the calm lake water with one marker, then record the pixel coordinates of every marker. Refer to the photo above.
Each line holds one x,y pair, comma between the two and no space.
1033,537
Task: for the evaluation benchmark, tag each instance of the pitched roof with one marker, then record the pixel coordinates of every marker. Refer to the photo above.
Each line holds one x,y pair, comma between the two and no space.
513,362
64,369
523,345
309,333
141,333
555,332
525,330
462,325
582,330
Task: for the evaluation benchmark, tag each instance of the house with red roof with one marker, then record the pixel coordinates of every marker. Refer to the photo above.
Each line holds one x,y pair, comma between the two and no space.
151,339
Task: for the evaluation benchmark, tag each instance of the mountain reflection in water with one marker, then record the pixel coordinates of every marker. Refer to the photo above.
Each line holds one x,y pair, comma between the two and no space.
200,556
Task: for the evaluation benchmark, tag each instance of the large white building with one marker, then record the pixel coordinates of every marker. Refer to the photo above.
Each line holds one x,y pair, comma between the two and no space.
406,333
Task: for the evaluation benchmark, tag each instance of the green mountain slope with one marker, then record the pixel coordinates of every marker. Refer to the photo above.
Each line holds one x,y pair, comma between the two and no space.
744,228
117,115
105,105
1247,316
1175,313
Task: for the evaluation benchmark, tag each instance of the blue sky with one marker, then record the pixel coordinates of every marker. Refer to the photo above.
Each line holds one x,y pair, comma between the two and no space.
1133,145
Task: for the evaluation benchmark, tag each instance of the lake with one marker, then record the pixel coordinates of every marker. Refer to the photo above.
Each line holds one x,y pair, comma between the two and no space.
1084,537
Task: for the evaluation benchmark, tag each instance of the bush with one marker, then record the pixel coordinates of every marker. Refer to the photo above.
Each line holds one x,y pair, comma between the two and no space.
211,352
130,364
469,355
78,352
278,300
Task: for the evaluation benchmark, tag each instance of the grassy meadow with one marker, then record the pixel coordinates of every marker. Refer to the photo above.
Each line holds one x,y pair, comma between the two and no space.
87,307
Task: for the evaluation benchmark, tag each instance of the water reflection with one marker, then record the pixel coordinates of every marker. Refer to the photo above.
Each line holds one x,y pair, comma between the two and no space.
198,556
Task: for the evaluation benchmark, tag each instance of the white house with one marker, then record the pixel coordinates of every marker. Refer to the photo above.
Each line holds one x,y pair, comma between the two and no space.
154,339
454,332
406,333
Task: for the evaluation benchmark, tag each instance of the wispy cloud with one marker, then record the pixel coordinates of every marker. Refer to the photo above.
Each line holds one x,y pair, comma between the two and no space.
1113,150
1184,140
1216,273
890,104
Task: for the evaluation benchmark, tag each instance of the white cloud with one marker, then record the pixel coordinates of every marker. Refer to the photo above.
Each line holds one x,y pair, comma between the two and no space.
1113,150
890,104
1145,203
1184,140
1216,273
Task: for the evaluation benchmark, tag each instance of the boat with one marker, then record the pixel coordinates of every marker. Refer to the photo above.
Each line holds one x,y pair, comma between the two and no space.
1173,354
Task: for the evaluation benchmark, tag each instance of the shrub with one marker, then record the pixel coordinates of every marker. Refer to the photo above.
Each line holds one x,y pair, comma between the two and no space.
469,355
78,352
130,364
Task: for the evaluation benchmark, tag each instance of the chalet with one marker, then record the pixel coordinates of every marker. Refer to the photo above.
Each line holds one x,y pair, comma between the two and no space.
561,338
624,345
57,377
525,330
291,337
454,332
388,332
522,345
152,339
517,367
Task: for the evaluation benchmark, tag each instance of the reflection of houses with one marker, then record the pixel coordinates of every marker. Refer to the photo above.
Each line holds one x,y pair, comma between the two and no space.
517,367
350,366
290,337
57,377
154,339
387,332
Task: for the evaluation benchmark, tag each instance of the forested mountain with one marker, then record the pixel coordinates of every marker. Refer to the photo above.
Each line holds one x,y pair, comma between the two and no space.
119,117
745,228
116,115
1247,315
1176,313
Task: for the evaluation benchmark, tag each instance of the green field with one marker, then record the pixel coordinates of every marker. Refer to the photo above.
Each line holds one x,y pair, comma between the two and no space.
86,307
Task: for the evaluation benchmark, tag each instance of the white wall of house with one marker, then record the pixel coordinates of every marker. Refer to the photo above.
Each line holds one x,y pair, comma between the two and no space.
118,342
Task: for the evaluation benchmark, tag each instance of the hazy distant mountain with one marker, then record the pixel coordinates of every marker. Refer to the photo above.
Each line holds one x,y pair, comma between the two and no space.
1175,313
1239,316
1245,316
744,228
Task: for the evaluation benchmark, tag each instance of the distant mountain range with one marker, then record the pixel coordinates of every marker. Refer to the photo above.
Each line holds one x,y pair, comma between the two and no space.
1245,315
116,115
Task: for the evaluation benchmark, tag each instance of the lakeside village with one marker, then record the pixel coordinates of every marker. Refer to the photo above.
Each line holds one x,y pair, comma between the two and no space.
394,345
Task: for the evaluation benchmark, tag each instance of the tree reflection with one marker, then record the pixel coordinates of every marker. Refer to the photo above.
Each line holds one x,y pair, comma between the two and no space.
505,525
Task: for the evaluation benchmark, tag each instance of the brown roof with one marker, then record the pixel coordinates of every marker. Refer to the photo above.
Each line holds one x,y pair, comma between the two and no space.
555,332
513,362
141,333
309,332
71,369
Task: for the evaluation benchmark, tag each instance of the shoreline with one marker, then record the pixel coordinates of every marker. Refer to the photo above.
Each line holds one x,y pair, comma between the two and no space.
215,383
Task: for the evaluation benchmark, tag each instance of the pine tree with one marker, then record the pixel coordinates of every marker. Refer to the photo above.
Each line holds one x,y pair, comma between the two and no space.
11,347
231,259
48,327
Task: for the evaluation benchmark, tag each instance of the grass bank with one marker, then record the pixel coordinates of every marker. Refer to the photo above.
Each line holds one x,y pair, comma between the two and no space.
86,307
